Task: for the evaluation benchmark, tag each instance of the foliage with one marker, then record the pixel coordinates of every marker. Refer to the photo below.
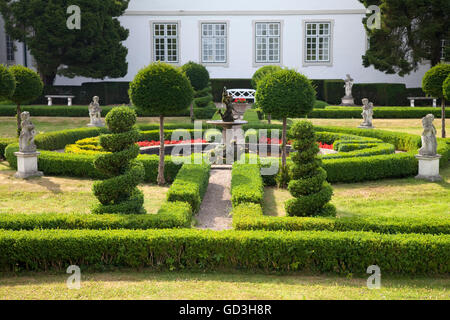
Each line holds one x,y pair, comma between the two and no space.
28,84
93,51
446,88
308,185
411,32
4,142
246,184
262,72
7,83
434,78
334,112
119,194
314,251
197,74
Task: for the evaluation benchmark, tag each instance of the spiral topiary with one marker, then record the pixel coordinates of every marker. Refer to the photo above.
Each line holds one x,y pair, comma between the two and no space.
119,193
308,179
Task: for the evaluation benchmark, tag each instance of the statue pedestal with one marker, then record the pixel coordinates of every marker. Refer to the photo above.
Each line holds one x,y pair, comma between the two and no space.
429,168
348,101
365,126
96,125
27,165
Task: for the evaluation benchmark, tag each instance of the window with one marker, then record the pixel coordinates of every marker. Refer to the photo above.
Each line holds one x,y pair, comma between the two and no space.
10,56
214,42
318,41
165,42
268,38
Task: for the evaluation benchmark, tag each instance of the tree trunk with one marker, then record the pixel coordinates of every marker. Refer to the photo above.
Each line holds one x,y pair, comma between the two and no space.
269,118
192,112
48,79
283,151
19,125
161,180
444,134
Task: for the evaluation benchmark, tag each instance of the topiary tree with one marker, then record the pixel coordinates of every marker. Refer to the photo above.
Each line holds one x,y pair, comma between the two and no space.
198,75
162,89
28,88
432,84
7,83
119,193
446,88
262,72
283,94
308,179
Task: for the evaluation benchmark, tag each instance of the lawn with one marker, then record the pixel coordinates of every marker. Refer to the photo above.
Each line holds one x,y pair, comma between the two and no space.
130,284
387,198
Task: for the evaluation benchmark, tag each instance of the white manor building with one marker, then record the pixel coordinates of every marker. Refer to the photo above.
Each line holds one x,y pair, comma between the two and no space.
323,39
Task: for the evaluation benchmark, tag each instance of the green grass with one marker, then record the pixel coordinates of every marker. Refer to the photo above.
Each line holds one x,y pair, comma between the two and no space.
129,284
386,198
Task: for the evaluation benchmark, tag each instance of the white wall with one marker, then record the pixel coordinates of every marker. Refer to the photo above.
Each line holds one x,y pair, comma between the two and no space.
349,39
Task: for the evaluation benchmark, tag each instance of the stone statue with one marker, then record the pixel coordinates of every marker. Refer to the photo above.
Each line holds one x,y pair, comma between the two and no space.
95,113
227,100
348,100
367,114
26,138
429,142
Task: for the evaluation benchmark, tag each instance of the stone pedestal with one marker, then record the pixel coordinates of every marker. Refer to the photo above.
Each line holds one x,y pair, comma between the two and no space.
27,165
96,125
348,101
429,168
364,126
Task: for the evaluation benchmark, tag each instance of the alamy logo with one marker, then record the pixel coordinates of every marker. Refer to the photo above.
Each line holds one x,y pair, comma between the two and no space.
74,281
374,21
374,281
74,21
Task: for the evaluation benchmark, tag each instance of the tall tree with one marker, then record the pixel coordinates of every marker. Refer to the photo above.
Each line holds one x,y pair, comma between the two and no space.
95,50
411,32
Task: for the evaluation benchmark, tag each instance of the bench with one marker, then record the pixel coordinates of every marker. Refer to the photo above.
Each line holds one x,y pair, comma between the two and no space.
422,98
51,97
242,93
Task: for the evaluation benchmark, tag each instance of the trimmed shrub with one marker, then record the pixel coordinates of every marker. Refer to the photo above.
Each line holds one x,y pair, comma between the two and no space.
190,185
4,142
203,102
246,184
446,88
434,78
333,112
119,194
262,72
197,74
308,185
313,251
7,83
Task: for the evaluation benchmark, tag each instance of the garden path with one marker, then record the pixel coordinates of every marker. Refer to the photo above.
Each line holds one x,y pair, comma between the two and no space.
215,210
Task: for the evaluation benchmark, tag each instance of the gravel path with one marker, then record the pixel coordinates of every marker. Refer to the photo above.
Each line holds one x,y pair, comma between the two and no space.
216,206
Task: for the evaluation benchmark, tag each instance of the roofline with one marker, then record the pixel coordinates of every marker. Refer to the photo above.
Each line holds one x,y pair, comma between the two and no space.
245,13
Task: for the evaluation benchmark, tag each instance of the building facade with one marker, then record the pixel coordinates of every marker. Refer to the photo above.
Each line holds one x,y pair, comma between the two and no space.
322,39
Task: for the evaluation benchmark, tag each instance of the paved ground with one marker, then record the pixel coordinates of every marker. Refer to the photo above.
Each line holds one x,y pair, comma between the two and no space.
216,206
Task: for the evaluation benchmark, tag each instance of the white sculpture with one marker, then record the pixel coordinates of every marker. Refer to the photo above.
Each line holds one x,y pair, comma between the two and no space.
428,157
348,100
367,114
27,164
95,113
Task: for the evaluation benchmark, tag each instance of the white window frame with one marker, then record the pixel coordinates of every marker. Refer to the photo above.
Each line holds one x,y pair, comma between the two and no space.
280,43
154,37
227,43
10,52
328,62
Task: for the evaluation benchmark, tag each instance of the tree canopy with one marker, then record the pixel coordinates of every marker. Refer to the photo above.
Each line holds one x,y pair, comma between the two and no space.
7,83
411,32
94,51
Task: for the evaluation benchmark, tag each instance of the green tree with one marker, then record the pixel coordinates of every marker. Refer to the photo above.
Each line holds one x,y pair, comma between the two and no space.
7,83
94,51
286,94
432,84
446,88
312,193
28,88
411,31
262,72
198,75
161,89
119,193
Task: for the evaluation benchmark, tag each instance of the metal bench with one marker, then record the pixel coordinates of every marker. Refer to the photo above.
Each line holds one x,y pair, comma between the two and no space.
51,97
412,99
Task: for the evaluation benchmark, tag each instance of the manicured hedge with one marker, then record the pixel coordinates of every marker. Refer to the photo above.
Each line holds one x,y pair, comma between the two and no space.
4,142
250,217
379,113
246,184
170,215
317,251
190,185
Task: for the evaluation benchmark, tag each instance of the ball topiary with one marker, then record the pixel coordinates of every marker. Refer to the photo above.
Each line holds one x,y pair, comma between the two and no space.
161,89
119,193
262,72
308,179
29,87
197,74
286,93
7,83
446,88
